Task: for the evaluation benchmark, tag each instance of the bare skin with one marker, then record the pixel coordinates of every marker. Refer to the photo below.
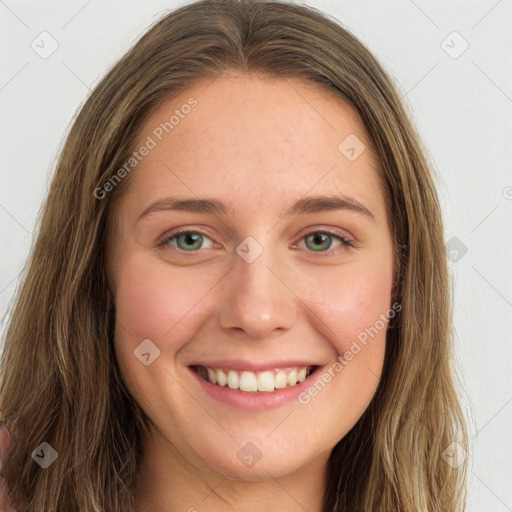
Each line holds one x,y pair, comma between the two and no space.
258,145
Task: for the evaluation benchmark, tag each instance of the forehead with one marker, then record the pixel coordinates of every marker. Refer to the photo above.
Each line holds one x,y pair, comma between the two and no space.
256,142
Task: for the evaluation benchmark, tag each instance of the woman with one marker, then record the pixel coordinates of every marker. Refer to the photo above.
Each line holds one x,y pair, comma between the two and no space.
238,298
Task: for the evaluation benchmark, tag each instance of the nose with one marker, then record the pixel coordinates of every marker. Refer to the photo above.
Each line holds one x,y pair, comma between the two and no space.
258,299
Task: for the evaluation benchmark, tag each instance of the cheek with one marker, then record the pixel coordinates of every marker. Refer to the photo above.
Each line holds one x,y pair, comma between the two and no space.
349,299
163,304
352,306
157,302
153,298
347,305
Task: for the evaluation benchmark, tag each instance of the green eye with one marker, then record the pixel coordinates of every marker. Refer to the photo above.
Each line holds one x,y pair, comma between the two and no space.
321,241
192,241
188,241
318,241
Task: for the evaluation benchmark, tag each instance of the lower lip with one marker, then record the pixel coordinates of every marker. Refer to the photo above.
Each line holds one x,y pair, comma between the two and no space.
256,400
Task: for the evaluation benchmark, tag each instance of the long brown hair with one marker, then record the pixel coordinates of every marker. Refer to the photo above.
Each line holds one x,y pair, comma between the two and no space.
60,382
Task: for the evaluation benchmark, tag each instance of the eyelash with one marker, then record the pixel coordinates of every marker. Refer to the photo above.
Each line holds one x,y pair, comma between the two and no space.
344,240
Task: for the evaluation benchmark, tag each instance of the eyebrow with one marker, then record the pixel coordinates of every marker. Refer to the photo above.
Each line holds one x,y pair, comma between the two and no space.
311,204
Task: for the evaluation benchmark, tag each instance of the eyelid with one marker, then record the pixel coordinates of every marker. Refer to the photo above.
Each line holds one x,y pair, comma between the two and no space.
178,231
347,241
330,231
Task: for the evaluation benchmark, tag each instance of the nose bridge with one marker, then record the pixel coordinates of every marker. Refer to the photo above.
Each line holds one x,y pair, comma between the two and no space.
257,300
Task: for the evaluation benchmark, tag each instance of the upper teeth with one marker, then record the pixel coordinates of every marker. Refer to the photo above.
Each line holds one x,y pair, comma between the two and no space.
268,380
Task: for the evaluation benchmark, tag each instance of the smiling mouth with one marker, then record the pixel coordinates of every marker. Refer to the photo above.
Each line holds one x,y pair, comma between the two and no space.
252,382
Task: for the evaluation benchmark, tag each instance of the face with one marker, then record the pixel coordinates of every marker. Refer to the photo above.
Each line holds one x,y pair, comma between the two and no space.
268,287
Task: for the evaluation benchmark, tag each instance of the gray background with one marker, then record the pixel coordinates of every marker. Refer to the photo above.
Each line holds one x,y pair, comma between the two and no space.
460,99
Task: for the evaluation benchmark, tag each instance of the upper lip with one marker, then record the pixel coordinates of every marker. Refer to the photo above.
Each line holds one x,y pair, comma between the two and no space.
240,365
